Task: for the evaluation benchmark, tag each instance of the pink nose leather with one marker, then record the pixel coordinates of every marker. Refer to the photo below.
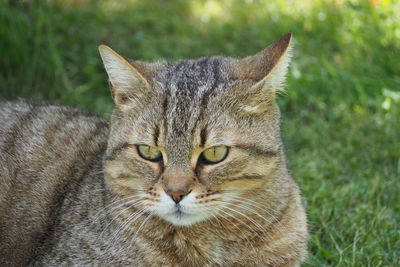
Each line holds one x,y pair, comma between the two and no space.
177,195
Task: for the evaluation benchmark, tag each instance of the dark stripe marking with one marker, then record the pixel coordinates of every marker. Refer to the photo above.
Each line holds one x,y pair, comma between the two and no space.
245,176
203,136
156,134
15,132
117,150
254,149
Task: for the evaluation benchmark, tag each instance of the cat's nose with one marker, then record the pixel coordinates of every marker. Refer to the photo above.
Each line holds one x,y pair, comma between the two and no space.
177,196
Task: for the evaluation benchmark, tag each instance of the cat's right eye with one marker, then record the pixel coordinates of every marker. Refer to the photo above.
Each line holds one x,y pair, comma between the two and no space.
149,153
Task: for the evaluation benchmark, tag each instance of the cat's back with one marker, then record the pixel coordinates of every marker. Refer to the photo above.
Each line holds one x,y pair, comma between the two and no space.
43,149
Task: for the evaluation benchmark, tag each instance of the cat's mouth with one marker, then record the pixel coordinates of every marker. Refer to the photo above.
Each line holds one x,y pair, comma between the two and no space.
179,217
178,212
184,213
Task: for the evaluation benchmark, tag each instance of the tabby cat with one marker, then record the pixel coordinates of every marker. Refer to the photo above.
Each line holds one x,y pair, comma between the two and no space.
191,170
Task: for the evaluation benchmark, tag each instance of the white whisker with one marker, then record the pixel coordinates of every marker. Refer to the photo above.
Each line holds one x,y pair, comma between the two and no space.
106,210
140,227
262,229
131,204
240,221
125,225
234,225
257,205
249,202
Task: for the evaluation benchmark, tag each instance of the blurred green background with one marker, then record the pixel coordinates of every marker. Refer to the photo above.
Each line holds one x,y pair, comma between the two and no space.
341,112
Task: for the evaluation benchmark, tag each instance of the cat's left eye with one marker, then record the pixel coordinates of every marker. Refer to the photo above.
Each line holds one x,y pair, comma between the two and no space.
149,153
214,154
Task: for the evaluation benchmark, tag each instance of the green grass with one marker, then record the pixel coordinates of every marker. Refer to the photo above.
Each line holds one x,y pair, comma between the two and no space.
341,113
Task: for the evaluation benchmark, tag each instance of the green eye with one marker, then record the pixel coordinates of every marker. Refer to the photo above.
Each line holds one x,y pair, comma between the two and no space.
214,154
149,153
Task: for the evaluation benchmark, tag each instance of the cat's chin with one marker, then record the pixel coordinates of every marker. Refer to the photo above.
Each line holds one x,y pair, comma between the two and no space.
183,219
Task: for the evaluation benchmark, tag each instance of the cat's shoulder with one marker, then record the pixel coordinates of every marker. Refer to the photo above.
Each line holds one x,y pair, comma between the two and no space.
38,126
16,108
19,114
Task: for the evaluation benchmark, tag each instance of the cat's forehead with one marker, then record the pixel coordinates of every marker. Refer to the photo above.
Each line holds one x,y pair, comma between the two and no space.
188,87
192,77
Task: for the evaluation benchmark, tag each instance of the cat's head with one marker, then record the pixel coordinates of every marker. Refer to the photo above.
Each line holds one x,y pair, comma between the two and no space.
188,137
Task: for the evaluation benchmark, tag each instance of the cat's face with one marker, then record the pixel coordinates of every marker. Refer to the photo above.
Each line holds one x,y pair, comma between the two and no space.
190,137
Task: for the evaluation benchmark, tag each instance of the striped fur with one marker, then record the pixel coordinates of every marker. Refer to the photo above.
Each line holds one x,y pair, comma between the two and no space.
75,192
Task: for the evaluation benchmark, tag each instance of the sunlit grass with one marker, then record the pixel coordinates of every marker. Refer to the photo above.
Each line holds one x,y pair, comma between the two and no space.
341,112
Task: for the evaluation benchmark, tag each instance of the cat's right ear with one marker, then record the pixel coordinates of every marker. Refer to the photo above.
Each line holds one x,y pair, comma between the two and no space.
126,82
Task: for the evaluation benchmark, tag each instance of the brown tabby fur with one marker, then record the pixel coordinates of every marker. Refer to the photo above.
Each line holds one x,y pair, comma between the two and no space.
75,192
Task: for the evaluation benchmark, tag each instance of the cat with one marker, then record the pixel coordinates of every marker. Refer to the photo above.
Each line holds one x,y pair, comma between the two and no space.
190,171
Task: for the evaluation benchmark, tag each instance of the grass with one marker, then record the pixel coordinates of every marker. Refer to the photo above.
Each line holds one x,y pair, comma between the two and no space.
341,113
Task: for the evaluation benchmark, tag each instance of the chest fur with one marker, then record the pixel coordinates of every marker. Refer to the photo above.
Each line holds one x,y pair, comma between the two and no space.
180,248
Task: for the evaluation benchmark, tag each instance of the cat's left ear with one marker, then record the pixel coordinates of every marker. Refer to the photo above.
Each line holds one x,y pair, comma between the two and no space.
127,83
267,69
